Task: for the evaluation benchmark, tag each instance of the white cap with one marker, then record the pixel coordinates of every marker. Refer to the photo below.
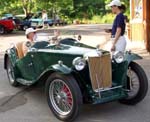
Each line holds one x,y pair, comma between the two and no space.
115,3
29,30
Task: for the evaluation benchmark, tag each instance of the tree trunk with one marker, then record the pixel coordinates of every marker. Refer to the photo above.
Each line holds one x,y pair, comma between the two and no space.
27,6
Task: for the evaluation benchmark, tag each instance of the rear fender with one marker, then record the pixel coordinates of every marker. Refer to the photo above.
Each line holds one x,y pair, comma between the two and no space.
11,54
5,61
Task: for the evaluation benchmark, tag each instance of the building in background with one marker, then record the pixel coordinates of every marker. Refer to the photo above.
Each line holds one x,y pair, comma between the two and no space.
140,22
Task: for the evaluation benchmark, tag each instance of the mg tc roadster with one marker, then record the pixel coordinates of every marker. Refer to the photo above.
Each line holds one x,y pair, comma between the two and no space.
75,74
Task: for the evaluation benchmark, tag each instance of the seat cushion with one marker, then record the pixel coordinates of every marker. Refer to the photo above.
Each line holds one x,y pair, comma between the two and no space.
19,49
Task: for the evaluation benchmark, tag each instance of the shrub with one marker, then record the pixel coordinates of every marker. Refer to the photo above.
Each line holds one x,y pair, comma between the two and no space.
99,19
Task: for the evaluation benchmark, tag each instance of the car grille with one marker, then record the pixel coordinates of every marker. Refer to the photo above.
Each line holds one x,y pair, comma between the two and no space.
100,72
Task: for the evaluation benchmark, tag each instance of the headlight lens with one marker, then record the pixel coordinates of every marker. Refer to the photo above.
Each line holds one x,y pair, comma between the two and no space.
79,63
118,56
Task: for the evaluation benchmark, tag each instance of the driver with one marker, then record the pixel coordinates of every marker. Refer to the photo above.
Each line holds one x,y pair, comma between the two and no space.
31,36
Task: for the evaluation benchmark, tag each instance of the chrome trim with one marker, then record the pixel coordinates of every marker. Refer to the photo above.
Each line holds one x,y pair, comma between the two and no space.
98,86
107,89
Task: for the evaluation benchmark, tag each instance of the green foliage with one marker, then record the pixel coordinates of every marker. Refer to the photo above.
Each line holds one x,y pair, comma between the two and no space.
86,11
108,18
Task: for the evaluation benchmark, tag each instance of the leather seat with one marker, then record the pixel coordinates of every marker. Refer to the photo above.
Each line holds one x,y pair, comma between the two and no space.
19,46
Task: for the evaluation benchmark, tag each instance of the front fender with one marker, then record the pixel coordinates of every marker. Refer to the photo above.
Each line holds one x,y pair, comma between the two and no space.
61,68
131,57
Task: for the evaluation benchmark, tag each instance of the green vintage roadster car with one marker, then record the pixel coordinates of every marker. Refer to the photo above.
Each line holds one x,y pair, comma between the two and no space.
75,73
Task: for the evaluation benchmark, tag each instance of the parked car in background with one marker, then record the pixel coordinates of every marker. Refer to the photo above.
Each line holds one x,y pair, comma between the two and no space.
11,17
6,26
24,22
38,22
59,22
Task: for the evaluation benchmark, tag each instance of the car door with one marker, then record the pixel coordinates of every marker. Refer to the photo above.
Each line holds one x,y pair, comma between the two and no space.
26,67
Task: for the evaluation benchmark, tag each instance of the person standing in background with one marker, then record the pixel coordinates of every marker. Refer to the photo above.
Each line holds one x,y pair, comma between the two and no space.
118,28
44,18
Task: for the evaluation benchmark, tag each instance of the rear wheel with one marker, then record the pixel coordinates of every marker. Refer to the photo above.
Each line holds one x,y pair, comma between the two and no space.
64,96
137,85
10,73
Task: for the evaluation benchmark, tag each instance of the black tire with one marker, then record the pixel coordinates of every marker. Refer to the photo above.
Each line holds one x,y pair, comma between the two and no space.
143,85
50,25
10,73
2,29
9,31
71,97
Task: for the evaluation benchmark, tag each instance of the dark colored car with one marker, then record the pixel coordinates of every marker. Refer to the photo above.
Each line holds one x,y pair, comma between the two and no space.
38,22
24,22
59,22
6,26
75,73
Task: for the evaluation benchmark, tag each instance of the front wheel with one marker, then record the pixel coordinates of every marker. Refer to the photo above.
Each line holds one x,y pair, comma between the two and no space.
137,84
64,96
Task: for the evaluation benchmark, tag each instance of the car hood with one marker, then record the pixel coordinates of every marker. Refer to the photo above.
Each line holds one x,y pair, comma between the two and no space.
72,50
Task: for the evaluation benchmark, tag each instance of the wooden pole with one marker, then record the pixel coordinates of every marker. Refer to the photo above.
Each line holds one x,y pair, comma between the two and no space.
147,4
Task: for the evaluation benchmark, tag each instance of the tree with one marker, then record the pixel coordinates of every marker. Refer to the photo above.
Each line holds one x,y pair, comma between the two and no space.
27,6
66,8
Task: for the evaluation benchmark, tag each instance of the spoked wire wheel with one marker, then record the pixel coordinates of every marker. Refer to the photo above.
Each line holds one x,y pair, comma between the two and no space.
137,84
61,97
134,83
64,96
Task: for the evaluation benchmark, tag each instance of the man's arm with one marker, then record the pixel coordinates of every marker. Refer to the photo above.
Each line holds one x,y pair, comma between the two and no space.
118,33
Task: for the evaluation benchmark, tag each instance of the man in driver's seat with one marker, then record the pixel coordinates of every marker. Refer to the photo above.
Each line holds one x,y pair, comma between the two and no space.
31,36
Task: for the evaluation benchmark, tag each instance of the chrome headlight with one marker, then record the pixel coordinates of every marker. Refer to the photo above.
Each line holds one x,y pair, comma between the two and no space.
79,63
118,56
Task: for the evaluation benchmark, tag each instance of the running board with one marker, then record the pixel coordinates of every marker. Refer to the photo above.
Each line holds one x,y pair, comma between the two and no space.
24,82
